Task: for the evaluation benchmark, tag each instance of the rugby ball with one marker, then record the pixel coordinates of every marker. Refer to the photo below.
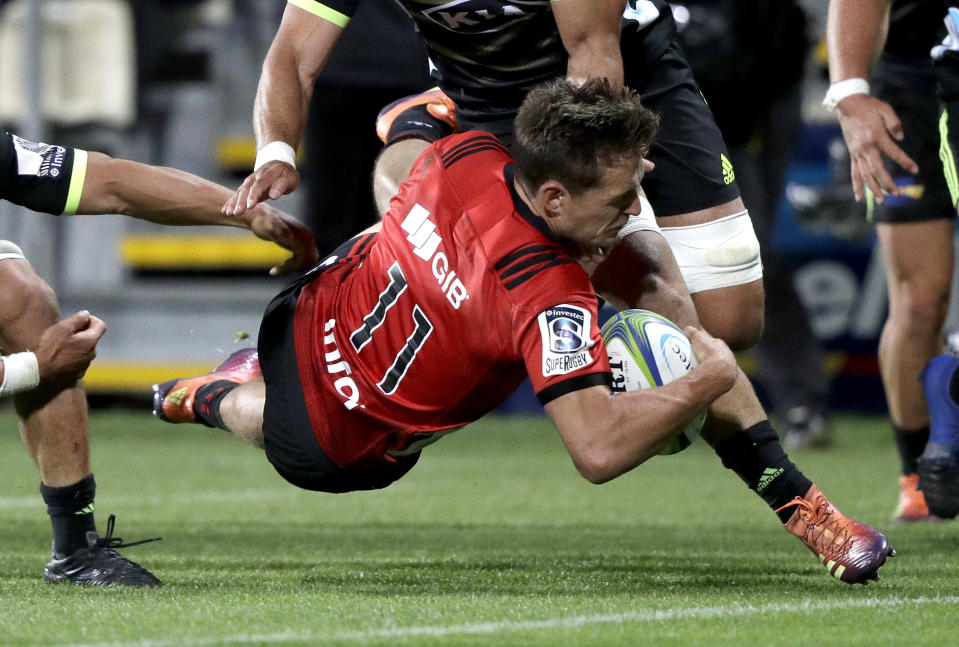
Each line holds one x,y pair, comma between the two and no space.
647,350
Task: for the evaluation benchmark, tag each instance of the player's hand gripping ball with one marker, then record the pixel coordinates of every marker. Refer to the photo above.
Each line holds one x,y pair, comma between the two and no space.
647,350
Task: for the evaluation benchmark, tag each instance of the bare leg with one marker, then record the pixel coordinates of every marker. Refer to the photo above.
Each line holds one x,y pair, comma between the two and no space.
919,258
392,168
53,423
242,412
54,428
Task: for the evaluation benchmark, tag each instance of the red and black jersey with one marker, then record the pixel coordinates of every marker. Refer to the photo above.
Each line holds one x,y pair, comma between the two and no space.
435,320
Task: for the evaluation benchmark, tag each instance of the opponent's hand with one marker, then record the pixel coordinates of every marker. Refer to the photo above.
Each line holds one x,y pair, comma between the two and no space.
870,127
287,232
66,348
714,355
271,181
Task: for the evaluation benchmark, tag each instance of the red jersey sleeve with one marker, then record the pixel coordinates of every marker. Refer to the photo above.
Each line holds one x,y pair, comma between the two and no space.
559,341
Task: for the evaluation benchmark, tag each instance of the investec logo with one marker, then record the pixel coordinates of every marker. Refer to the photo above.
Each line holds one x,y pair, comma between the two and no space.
422,235
482,16
41,160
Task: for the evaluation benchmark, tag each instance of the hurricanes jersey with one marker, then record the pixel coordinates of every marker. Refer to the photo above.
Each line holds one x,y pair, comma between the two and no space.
41,177
914,27
435,320
494,51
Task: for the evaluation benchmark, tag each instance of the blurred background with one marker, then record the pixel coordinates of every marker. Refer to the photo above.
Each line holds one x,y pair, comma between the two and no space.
172,83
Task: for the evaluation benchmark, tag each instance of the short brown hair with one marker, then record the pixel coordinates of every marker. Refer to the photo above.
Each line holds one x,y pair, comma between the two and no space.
570,133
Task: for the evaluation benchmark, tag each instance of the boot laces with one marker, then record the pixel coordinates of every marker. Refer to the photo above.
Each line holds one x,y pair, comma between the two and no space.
822,527
109,541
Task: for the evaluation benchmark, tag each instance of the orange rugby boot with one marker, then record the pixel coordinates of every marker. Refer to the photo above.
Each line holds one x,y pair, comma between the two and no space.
850,551
173,400
437,104
912,502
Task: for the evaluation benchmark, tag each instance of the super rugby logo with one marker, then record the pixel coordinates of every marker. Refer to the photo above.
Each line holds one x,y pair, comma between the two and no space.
426,242
565,336
482,16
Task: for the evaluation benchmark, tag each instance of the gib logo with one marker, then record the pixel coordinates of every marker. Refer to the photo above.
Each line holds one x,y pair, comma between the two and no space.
426,242
482,16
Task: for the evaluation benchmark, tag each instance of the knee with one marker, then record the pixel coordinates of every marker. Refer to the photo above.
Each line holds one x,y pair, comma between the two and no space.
739,334
919,311
735,315
30,306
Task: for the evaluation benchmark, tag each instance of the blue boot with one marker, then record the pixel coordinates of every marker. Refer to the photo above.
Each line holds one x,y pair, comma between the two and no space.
938,470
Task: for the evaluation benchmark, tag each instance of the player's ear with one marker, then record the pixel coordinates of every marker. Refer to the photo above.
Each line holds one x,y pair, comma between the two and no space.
554,197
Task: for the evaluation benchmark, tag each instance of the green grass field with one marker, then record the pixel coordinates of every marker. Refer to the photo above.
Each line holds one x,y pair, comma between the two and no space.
493,539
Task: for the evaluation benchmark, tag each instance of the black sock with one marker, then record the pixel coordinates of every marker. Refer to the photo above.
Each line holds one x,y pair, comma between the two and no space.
206,404
911,445
71,513
757,457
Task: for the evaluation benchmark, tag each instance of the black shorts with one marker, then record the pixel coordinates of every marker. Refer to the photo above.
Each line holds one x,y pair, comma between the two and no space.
290,443
692,172
924,196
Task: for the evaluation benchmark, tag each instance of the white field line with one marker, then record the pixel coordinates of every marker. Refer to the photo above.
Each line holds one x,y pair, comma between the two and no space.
548,624
212,498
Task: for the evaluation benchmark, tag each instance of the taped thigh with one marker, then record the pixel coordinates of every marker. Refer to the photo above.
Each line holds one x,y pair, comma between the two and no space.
718,254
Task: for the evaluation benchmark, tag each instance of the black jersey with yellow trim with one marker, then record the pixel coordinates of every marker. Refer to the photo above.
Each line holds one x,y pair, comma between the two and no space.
496,50
42,177
914,27
905,65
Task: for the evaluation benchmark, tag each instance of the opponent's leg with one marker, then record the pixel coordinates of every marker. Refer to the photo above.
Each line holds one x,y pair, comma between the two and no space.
54,428
919,285
53,422
718,255
392,167
713,255
406,127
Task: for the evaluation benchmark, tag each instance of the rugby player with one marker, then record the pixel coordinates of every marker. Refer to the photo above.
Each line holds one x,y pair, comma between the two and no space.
476,278
697,262
894,143
44,359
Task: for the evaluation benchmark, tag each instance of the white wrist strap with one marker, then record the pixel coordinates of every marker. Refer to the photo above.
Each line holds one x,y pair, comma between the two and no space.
20,373
839,91
279,151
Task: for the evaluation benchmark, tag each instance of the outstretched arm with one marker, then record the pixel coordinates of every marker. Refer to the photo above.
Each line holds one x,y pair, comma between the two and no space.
169,196
590,32
855,35
299,50
607,435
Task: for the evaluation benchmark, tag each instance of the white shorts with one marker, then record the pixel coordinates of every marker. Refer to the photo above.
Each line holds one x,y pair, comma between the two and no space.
718,254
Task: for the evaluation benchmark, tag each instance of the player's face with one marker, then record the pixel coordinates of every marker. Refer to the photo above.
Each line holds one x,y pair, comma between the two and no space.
593,218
